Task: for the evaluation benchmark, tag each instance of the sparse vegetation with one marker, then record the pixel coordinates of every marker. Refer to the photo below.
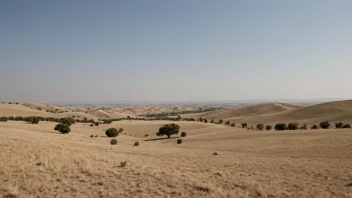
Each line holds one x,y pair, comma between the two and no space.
123,164
304,127
340,125
62,128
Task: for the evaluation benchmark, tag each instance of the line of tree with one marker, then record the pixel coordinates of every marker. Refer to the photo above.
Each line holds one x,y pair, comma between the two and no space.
200,110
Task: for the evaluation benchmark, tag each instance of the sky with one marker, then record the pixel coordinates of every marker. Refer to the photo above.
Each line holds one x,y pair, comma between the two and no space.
174,50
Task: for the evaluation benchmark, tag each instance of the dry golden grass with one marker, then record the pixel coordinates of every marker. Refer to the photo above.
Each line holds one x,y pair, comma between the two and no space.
273,113
37,161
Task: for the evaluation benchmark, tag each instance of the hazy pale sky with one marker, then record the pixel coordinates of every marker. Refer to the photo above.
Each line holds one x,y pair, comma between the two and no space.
170,50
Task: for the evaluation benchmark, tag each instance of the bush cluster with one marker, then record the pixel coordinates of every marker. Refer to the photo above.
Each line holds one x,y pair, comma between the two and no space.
62,128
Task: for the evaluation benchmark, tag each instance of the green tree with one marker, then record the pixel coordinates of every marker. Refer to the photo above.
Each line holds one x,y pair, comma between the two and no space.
280,127
168,129
292,126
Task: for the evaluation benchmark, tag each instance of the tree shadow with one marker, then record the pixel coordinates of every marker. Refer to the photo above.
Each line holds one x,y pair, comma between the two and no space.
163,138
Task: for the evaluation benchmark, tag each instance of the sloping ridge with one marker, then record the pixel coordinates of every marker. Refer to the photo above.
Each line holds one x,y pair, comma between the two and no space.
105,114
20,110
331,111
249,111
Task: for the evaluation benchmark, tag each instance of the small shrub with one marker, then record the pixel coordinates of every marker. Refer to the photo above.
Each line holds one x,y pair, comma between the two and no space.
268,127
91,125
183,134
215,153
292,126
62,128
112,132
146,135
96,135
280,127
227,123
123,164
91,136
113,142
338,125
96,123
136,144
244,125
233,125
314,127
3,119
304,127
179,141
260,127
346,126
324,125
120,130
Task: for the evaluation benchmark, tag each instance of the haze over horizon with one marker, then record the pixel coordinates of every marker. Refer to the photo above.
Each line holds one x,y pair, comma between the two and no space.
83,51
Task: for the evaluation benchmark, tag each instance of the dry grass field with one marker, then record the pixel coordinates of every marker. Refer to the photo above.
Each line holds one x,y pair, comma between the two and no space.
37,161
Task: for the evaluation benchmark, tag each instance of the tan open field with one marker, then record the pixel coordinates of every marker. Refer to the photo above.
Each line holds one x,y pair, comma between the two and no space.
37,161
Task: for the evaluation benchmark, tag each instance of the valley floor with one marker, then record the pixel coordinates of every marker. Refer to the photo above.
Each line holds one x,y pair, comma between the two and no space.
36,161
